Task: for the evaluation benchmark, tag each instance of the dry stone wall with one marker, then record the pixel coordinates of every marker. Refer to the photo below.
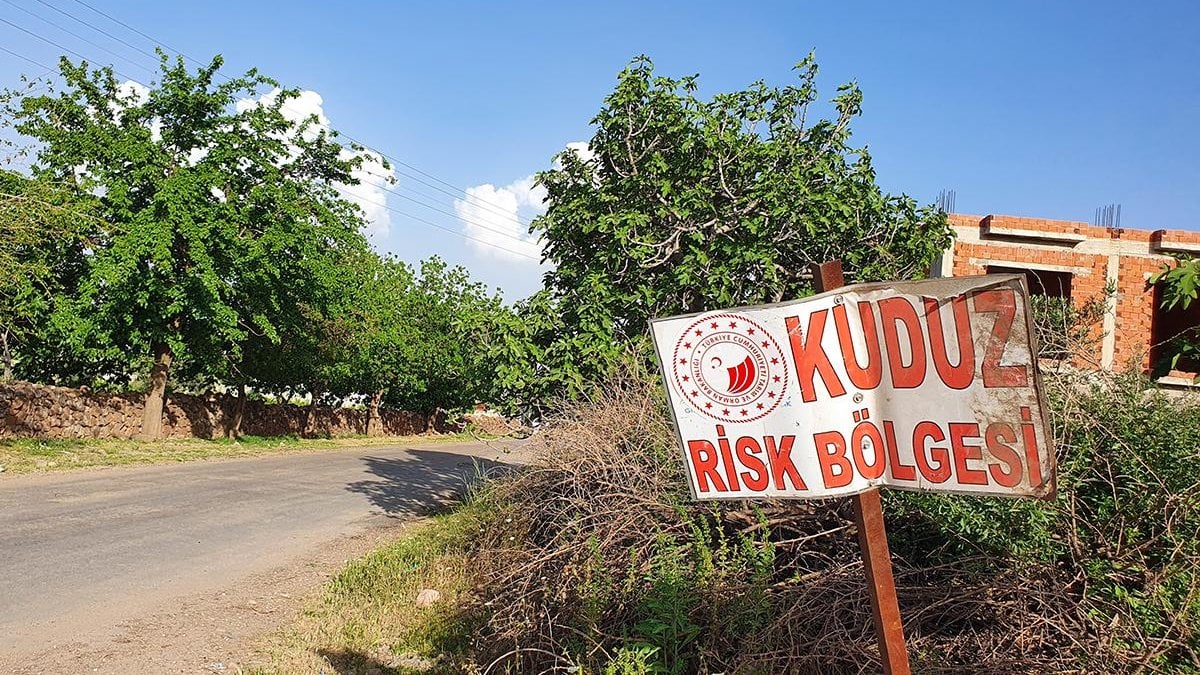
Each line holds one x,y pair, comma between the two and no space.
40,411
491,424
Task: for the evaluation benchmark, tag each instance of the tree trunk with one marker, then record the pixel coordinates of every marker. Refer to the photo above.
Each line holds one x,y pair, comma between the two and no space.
310,414
6,357
152,413
239,412
373,425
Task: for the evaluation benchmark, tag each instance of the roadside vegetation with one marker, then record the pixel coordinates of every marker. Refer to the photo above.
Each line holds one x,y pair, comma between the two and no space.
39,455
595,559
365,618
197,236
153,249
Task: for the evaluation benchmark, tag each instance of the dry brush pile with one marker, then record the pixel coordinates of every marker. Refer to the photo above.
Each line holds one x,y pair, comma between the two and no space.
595,557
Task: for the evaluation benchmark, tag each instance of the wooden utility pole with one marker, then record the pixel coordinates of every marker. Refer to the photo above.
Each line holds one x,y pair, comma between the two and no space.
872,538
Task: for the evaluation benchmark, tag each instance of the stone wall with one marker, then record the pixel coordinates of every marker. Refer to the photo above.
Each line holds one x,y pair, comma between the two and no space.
491,424
33,410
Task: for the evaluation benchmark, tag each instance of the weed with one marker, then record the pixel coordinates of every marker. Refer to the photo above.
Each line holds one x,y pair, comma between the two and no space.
594,558
365,617
33,455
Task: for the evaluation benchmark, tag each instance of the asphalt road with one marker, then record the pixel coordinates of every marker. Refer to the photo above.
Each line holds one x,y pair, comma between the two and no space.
88,550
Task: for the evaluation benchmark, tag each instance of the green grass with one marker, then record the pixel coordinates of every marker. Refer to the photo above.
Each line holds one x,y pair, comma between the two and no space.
33,455
365,619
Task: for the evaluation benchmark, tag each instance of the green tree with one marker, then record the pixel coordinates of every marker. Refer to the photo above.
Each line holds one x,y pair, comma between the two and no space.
413,340
455,319
380,332
537,358
309,352
1180,283
373,338
41,254
682,204
209,212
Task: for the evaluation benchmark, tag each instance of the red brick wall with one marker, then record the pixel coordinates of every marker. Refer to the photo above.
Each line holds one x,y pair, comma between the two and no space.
1135,312
1085,249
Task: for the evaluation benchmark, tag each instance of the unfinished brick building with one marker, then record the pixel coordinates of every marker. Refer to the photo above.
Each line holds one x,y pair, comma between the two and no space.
1078,260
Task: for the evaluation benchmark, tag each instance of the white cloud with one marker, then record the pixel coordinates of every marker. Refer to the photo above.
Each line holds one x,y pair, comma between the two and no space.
297,109
582,150
196,155
370,193
499,216
131,92
492,217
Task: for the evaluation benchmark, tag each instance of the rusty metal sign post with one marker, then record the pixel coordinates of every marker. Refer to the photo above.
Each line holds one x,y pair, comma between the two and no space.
917,385
872,538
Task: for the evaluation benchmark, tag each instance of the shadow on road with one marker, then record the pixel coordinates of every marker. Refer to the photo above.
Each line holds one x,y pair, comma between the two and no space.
422,482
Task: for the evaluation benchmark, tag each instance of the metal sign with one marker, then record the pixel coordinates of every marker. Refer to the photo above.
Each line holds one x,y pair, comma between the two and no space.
925,385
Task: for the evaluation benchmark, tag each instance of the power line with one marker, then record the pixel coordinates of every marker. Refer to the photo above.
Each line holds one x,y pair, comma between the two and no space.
457,195
46,40
57,45
508,215
382,205
439,180
78,36
464,235
122,23
100,30
448,213
458,191
39,64
438,209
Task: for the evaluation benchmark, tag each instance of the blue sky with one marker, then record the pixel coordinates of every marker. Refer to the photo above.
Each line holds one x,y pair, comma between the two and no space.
1024,108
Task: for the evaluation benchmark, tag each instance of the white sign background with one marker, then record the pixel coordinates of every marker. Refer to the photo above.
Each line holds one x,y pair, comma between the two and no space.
859,387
